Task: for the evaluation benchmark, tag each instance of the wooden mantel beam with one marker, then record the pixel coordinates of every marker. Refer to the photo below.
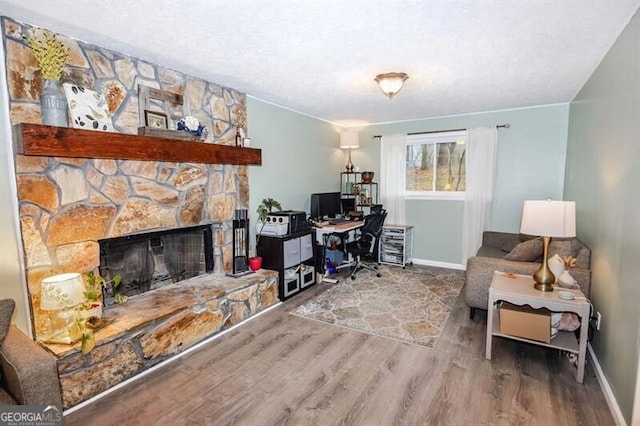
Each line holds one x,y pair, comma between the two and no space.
49,141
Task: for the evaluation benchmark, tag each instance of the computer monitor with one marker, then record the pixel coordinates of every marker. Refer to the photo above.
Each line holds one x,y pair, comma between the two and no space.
348,205
325,205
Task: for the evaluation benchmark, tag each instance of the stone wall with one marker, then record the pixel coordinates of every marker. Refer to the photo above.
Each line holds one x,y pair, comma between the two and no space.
66,205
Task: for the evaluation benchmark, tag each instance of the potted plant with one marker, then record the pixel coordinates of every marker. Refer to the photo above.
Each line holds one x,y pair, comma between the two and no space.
266,207
89,314
81,330
94,284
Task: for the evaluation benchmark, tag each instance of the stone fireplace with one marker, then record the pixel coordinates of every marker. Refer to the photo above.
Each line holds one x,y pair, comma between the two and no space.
68,205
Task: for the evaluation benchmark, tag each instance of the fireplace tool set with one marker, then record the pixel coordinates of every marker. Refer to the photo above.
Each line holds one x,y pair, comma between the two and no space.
240,243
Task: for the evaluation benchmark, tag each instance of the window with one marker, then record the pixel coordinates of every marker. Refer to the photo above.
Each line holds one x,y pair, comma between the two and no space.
435,165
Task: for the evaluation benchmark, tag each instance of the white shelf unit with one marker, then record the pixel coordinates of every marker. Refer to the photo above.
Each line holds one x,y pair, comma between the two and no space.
396,245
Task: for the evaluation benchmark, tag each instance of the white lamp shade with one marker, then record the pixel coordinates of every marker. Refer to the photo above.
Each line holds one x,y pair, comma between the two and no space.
549,218
349,139
61,291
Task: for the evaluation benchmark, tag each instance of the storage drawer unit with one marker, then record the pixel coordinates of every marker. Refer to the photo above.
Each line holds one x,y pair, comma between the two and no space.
396,245
291,284
307,275
292,257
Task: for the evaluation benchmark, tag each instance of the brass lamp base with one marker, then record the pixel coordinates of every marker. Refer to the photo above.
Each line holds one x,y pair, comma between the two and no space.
543,287
543,277
349,165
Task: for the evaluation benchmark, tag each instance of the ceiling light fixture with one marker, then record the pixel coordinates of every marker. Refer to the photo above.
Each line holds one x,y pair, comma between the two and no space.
390,83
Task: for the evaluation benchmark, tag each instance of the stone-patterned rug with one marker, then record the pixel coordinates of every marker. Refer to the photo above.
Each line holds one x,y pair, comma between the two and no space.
410,305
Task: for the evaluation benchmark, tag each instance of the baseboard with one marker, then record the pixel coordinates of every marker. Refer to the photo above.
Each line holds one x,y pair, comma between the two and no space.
606,389
438,264
165,362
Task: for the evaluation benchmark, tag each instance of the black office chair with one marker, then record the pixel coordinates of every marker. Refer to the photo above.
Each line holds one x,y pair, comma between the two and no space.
377,209
366,244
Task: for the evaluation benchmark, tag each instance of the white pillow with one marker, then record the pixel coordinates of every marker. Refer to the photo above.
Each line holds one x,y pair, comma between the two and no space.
567,281
556,264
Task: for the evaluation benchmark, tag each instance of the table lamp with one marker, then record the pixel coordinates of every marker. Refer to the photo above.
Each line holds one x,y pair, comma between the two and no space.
548,219
349,140
59,294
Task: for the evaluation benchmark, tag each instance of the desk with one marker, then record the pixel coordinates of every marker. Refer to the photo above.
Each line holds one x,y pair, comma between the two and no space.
321,235
343,228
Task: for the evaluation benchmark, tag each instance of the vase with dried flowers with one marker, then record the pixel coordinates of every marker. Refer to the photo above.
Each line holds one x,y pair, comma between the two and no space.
51,54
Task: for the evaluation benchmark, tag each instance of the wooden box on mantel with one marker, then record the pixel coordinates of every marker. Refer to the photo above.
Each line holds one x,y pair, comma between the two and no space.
167,134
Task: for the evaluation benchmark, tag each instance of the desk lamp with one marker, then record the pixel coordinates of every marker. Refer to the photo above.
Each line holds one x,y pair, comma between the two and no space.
59,294
548,218
349,140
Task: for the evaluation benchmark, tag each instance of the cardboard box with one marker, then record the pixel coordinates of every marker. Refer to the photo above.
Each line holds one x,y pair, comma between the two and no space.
525,322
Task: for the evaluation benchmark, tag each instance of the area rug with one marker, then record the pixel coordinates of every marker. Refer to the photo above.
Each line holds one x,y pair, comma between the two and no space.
410,305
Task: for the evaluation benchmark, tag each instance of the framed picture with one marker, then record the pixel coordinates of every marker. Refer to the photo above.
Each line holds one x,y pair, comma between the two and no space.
155,120
164,102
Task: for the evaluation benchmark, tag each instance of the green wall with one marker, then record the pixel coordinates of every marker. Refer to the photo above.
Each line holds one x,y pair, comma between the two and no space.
530,165
603,173
300,155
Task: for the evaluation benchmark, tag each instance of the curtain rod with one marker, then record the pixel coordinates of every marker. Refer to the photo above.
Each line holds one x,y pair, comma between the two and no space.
505,126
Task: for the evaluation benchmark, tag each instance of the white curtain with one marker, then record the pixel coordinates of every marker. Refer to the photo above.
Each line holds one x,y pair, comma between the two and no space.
393,177
482,144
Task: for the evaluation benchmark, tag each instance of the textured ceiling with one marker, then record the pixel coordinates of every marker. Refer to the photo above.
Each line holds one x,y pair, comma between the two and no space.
320,57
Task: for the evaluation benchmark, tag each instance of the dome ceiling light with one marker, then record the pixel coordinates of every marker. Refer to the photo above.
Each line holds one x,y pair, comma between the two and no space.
390,83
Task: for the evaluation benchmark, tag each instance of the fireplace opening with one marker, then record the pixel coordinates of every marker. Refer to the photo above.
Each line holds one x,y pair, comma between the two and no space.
155,259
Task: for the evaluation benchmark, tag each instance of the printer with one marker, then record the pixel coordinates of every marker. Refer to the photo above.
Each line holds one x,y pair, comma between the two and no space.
285,222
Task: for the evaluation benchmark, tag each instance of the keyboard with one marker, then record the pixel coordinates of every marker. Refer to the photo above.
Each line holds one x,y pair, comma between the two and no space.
338,221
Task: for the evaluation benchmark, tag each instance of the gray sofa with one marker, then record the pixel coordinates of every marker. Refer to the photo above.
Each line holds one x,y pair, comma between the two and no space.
491,257
28,372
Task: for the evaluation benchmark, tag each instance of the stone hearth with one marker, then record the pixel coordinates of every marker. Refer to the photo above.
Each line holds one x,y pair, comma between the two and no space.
157,325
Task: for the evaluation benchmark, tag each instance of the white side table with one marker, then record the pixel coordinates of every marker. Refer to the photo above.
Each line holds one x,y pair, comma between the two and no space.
518,290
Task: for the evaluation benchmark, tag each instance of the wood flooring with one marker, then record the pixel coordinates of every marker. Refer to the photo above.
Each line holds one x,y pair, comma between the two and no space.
281,369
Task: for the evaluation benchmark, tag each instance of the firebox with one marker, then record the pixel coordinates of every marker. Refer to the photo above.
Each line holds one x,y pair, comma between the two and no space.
152,260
